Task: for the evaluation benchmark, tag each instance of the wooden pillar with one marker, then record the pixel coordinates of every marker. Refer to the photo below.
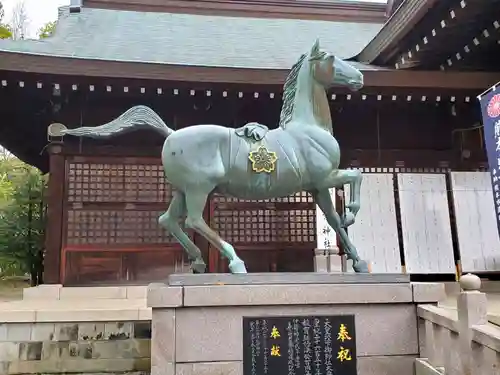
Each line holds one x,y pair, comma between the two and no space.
54,226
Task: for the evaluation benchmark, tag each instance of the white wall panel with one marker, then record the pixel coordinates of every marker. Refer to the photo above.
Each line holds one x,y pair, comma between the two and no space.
325,235
375,232
425,221
478,240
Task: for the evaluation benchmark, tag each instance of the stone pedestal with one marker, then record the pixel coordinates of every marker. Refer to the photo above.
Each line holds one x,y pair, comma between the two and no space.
197,319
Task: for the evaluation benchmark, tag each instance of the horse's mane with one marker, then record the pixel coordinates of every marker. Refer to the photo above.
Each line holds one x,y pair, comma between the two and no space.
289,90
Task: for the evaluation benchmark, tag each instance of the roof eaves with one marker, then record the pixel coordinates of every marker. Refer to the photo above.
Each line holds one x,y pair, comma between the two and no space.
12,51
395,29
374,76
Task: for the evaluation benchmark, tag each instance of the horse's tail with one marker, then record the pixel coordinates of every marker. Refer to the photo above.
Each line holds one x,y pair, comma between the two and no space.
136,117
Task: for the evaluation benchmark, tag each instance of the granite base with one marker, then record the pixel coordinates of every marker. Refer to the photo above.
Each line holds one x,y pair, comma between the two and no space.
197,319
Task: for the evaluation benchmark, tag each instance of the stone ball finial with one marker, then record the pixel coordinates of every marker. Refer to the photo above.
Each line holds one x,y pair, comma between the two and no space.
470,282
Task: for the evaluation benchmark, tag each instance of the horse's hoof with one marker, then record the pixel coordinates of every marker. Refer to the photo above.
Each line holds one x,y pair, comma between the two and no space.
237,266
361,267
198,266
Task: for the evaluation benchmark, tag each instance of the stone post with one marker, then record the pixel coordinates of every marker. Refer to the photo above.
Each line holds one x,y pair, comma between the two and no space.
472,310
320,260
328,260
335,260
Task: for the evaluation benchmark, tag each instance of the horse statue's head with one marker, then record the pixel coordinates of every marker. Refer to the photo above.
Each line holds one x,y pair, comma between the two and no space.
304,92
329,70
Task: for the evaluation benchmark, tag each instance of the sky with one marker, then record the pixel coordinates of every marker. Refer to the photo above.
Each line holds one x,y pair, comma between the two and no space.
42,11
39,12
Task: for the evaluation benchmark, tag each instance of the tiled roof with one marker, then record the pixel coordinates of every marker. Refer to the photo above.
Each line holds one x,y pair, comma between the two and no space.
196,40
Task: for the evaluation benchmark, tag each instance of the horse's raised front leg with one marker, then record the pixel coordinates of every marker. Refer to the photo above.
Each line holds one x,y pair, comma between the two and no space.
170,221
353,178
195,203
324,201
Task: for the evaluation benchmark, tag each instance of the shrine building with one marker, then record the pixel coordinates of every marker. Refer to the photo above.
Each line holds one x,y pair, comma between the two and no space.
414,130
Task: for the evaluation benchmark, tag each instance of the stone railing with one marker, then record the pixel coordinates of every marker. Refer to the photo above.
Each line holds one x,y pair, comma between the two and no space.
459,342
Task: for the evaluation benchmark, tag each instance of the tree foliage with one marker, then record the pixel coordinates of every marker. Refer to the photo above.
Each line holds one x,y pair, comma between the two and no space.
47,30
20,20
18,27
6,187
5,30
22,218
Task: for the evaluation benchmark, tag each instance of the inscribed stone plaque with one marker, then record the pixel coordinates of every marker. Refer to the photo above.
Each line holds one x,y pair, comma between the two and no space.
299,345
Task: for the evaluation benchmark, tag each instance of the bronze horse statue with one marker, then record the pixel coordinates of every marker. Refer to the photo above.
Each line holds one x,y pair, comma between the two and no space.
253,162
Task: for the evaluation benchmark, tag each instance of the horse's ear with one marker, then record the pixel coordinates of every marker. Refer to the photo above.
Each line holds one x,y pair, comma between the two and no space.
315,48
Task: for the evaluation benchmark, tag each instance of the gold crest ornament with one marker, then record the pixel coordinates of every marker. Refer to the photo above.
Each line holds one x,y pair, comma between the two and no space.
263,160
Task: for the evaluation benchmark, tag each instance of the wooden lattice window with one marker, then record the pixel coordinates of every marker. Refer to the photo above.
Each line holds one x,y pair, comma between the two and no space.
300,226
288,220
85,226
116,201
246,226
117,182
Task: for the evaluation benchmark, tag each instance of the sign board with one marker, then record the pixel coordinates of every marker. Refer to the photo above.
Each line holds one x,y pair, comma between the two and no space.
299,345
490,111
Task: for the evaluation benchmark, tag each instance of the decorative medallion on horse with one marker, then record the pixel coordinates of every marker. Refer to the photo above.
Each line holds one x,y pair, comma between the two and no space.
263,160
253,162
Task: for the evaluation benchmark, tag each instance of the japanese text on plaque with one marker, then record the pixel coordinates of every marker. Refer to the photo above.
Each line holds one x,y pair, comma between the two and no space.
299,345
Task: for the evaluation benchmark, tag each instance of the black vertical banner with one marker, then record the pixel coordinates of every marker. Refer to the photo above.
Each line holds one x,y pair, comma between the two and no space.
490,110
299,345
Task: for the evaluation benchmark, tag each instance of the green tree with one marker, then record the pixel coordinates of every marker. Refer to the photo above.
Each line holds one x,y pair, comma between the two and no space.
6,186
47,30
5,31
22,219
